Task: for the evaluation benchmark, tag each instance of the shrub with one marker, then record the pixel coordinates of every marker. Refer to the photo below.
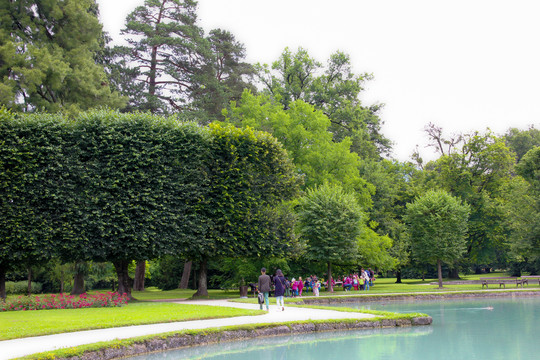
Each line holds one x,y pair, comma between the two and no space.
21,287
61,301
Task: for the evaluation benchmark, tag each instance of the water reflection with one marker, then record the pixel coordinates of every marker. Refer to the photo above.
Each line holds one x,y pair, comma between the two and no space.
287,346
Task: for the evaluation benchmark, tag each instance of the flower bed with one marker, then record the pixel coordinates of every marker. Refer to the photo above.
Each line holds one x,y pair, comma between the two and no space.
61,301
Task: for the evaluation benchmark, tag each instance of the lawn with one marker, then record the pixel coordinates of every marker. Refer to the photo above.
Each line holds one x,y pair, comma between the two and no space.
17,324
153,293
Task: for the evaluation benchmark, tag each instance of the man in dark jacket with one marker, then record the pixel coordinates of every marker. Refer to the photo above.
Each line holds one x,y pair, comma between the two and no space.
264,287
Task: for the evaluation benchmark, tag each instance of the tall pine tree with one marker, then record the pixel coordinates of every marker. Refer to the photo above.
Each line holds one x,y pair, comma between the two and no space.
48,57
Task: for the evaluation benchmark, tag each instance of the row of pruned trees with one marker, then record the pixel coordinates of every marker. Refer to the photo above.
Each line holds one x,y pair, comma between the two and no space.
114,187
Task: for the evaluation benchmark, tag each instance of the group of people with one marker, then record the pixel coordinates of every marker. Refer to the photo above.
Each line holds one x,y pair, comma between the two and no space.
283,287
359,281
294,288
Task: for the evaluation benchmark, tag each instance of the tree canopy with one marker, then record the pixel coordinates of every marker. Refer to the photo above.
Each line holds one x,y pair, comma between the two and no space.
48,57
438,226
330,224
333,89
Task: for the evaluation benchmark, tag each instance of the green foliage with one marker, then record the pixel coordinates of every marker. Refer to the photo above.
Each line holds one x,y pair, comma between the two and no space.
438,225
529,167
330,223
248,175
168,272
304,132
30,159
522,206
21,287
121,187
47,51
335,91
521,141
476,169
132,188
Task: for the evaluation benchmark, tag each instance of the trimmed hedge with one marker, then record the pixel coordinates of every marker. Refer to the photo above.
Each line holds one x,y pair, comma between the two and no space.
21,287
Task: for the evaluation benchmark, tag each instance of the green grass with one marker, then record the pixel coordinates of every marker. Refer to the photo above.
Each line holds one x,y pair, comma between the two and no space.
18,324
153,293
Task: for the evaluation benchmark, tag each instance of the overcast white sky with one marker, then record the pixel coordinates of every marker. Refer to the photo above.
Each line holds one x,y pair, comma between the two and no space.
463,64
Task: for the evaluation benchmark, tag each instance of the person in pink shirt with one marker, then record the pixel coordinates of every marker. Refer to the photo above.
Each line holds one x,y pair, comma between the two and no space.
294,287
300,285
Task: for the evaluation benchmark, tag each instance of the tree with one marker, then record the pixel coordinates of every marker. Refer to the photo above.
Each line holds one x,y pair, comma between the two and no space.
521,141
522,207
163,40
223,77
181,69
330,223
48,57
249,175
304,132
30,158
438,226
334,90
476,167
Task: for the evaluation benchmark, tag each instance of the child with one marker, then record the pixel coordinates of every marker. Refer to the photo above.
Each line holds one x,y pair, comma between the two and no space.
294,287
316,287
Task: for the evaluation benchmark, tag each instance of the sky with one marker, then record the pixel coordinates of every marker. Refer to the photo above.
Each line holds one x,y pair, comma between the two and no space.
462,65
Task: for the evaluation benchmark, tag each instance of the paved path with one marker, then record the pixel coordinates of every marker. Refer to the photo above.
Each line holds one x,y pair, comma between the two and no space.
10,349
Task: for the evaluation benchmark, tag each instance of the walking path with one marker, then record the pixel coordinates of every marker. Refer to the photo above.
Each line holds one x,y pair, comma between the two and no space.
10,349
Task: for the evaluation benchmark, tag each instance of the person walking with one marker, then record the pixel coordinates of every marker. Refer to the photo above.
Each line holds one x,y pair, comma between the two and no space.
279,289
264,287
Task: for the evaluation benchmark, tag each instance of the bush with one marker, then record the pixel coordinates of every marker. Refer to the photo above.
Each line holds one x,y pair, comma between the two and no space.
61,301
21,287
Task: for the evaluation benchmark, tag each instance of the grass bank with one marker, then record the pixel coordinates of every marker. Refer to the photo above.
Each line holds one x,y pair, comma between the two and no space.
19,324
174,340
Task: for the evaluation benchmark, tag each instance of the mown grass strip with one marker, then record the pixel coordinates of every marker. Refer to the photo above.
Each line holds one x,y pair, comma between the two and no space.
19,324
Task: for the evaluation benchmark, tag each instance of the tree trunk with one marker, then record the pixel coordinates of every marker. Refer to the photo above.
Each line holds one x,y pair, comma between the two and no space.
185,275
453,273
439,271
202,289
329,280
61,279
78,283
140,272
124,282
2,283
29,281
398,276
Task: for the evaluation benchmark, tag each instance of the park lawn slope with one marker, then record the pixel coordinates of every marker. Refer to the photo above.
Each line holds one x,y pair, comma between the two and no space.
19,324
166,341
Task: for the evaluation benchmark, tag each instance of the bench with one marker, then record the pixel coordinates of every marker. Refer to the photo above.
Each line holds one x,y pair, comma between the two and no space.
502,281
525,279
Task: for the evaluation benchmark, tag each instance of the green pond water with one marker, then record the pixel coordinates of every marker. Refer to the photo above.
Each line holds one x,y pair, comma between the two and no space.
488,328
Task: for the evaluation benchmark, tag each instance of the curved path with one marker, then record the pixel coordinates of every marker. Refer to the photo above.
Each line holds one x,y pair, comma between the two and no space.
10,349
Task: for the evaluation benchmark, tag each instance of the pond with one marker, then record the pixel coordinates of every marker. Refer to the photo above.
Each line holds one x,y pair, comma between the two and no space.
488,328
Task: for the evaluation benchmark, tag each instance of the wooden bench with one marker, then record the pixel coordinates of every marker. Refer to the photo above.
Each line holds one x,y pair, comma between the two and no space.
502,281
525,279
